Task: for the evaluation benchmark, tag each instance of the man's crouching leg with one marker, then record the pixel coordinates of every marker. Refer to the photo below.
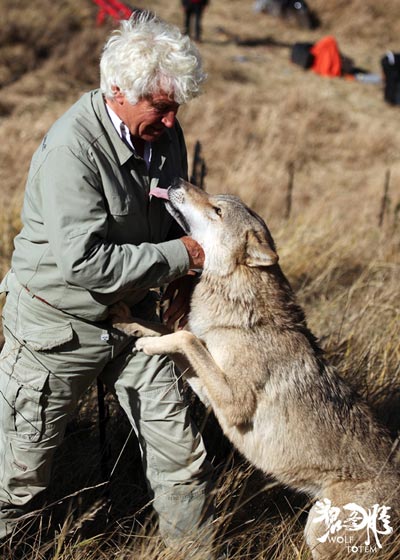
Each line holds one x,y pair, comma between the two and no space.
179,476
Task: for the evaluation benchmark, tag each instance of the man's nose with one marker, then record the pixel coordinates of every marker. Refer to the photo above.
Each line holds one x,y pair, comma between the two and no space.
168,119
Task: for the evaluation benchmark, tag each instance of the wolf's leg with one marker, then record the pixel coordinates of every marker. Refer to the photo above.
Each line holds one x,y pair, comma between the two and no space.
139,327
237,408
122,320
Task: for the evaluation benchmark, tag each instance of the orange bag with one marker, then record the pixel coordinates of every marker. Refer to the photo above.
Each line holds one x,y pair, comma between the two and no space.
327,59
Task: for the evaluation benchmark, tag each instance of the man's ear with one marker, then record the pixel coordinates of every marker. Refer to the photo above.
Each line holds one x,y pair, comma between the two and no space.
119,97
259,252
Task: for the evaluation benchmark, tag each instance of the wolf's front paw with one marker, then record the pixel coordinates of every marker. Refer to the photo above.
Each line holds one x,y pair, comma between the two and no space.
149,345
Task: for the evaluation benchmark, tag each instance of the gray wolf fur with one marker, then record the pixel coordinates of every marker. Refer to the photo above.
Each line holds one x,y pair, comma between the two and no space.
250,354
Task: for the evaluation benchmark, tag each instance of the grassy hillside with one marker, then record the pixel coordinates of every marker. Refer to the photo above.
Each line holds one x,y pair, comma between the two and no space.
262,122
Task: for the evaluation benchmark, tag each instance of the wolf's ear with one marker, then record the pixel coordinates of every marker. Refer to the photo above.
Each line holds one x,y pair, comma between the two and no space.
259,252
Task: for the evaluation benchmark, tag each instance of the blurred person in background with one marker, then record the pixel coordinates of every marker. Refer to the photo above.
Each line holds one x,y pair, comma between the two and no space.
193,10
93,235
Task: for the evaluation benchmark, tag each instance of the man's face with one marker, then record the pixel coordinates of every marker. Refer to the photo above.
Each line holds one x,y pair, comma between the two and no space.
149,117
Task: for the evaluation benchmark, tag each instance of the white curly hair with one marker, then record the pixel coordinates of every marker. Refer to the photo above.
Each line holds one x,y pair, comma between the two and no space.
148,55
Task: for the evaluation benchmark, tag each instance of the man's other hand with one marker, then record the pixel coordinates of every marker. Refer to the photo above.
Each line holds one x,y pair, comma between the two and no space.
176,300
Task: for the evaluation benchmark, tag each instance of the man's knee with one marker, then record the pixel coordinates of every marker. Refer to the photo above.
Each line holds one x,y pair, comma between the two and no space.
151,392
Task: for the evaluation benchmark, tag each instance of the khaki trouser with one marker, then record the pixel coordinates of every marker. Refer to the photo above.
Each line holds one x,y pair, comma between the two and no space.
48,361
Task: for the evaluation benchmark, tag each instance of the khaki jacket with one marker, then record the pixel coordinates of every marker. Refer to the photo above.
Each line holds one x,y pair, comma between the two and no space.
91,234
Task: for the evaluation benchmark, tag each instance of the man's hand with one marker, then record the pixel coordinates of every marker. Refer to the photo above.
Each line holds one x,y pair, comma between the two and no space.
177,295
195,251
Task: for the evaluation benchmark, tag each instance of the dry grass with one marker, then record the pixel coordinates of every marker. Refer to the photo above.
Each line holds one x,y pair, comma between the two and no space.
259,116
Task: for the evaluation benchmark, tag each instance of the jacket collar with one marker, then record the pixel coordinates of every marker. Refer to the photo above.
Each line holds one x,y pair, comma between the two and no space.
123,152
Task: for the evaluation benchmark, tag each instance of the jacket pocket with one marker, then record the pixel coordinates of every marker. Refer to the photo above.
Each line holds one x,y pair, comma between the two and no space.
47,338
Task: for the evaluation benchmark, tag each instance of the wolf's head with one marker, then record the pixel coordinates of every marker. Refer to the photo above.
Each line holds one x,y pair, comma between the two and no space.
230,233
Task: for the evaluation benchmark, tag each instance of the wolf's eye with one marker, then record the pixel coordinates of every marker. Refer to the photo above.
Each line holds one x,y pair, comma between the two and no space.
217,210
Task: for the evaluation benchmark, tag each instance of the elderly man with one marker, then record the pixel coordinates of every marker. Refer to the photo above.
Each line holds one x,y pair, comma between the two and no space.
93,235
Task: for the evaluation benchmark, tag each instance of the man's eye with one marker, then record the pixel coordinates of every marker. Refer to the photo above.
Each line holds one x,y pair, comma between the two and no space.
164,108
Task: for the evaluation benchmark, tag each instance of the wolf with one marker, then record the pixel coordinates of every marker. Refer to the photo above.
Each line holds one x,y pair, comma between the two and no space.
249,353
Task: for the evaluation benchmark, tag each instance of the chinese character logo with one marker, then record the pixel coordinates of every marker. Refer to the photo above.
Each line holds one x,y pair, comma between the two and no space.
375,521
